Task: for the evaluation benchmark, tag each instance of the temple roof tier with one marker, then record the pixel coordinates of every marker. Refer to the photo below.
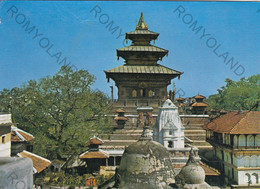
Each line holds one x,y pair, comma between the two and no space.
145,48
141,54
156,69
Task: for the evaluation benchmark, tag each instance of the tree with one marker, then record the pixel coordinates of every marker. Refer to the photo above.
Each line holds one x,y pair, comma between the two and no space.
238,95
62,111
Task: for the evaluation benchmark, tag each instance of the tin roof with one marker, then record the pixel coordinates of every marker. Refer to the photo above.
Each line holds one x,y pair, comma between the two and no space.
143,48
156,69
235,122
39,163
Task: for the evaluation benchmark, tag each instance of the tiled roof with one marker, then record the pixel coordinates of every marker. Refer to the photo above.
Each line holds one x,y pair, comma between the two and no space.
246,122
156,69
180,99
120,118
199,97
209,171
199,104
120,110
19,135
39,163
147,32
91,154
146,48
95,140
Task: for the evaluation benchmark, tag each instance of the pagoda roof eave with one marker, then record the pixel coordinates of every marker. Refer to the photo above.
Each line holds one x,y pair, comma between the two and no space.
139,48
142,32
144,69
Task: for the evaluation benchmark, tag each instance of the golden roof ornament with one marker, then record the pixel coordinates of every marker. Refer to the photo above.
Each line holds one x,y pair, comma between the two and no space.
141,24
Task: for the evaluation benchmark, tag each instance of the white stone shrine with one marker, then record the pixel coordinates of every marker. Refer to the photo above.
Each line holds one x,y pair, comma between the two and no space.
168,129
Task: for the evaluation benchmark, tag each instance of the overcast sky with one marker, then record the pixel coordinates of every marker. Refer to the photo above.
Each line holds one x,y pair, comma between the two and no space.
227,44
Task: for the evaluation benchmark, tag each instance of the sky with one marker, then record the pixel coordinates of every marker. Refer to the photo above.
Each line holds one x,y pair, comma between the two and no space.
208,41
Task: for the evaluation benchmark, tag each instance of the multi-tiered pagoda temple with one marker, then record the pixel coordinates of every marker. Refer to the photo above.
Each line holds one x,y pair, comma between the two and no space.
141,80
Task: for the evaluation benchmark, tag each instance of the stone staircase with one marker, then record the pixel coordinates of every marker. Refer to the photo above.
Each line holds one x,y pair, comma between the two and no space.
131,133
197,134
121,138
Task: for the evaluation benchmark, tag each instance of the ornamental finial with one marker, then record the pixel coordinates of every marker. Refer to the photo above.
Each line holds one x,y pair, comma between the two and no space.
141,24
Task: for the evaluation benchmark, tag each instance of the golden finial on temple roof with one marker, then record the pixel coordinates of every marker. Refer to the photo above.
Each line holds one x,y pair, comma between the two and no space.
141,24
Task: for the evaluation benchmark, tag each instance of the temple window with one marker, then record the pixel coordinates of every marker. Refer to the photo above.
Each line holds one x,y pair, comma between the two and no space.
241,140
255,178
142,92
170,144
3,139
170,132
248,178
150,93
134,93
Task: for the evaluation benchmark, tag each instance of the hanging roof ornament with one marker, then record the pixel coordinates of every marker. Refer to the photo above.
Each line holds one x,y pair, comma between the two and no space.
141,24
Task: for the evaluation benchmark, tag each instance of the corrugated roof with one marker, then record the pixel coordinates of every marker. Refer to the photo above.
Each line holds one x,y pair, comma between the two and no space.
156,69
246,122
39,163
145,48
145,32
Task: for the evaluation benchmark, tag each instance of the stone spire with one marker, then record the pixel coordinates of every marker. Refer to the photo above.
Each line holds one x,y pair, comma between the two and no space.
141,24
147,134
191,159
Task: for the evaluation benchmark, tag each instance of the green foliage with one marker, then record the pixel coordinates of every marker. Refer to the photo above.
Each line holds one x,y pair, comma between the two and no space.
238,95
62,111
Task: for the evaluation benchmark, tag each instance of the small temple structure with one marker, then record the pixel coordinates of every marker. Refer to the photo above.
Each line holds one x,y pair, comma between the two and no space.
198,107
169,131
120,118
141,81
94,156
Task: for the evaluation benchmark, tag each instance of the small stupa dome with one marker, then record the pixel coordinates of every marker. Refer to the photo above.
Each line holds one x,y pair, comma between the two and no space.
145,164
191,175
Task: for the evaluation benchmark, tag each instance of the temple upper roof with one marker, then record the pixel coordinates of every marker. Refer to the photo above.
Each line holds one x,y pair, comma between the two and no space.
141,51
